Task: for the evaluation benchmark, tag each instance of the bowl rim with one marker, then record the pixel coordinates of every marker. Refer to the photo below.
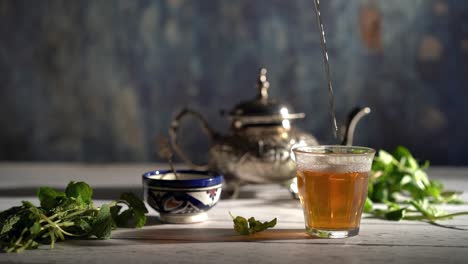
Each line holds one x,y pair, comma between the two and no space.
212,178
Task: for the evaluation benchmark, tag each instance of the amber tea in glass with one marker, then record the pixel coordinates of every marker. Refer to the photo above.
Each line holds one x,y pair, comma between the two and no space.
332,185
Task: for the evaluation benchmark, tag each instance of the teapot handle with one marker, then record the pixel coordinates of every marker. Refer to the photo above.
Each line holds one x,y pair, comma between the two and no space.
175,128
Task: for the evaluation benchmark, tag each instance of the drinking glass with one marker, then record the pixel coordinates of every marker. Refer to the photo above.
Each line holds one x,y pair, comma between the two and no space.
332,186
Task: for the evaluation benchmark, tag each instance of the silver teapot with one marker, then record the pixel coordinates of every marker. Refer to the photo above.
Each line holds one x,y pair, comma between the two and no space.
258,147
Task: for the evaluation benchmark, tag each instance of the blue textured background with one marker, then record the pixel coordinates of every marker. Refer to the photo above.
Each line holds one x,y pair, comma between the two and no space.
97,80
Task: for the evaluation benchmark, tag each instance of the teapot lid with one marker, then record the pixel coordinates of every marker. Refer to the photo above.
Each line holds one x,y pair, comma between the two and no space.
262,110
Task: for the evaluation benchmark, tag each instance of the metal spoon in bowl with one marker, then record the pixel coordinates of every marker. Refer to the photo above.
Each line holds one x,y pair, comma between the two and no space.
165,152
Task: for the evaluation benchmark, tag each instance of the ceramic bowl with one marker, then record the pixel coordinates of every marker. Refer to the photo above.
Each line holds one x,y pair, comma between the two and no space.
185,199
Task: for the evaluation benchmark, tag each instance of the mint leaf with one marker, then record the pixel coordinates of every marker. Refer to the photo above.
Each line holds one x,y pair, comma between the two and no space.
251,226
385,157
368,206
140,218
134,202
35,228
241,225
82,226
134,214
257,226
395,215
8,219
405,157
121,219
80,191
102,224
7,225
49,198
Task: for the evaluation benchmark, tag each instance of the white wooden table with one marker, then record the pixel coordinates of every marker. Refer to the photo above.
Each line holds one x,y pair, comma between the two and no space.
215,241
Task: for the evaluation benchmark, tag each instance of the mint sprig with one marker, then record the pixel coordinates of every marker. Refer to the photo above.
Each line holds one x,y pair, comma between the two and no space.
399,181
398,177
65,215
251,226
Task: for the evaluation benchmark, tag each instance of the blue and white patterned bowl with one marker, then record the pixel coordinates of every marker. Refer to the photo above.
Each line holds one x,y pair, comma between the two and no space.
185,199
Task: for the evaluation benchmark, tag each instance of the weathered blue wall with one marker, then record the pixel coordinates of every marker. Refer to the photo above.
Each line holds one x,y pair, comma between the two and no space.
97,80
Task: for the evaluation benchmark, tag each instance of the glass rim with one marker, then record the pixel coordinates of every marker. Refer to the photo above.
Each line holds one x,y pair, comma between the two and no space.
314,150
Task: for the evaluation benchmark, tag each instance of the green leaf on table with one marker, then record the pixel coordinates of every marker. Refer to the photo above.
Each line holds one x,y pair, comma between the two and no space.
395,215
8,219
81,191
368,205
251,226
450,197
385,158
82,226
405,157
257,226
121,219
35,228
50,198
421,179
8,224
379,192
241,225
428,211
135,213
134,202
102,224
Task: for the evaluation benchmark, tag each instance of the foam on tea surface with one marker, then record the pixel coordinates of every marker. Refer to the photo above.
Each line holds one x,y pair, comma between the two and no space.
341,164
333,160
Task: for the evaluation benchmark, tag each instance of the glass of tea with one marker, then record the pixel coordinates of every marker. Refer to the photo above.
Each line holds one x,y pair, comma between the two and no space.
332,185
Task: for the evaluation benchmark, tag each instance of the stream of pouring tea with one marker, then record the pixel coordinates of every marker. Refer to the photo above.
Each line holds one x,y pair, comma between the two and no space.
323,44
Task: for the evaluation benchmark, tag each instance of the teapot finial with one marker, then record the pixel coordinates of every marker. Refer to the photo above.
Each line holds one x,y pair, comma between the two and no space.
263,84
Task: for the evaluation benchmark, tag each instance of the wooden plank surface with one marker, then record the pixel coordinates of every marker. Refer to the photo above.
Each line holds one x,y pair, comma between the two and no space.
215,241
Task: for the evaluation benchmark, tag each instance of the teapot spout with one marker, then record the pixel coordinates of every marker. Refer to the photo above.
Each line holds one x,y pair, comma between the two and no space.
353,118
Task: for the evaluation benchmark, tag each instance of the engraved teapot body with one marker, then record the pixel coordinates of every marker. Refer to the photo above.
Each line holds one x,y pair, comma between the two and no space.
258,147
